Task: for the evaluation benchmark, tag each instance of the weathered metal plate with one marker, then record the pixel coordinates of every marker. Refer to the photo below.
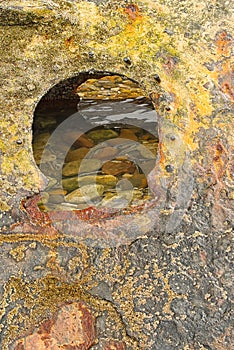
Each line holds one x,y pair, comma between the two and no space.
170,287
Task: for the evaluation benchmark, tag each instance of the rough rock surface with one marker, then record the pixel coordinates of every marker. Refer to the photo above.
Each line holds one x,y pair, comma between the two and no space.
159,278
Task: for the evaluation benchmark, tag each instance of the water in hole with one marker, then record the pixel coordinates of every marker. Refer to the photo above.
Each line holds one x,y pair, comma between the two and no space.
99,155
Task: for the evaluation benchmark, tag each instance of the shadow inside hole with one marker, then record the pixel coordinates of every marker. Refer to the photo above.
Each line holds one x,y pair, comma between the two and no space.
96,152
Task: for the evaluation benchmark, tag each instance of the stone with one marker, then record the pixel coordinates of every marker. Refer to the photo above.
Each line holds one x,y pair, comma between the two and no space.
70,184
51,183
84,141
41,140
108,181
76,154
72,327
88,192
44,197
115,142
80,140
100,135
146,137
106,153
121,158
57,191
114,167
109,194
56,198
137,180
137,194
47,121
114,345
144,150
81,166
128,134
121,199
44,156
117,202
37,154
43,208
148,196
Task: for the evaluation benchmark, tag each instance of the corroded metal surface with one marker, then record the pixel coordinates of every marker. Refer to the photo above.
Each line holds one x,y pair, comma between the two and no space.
171,286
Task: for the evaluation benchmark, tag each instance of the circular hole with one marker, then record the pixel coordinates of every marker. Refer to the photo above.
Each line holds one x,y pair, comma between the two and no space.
95,139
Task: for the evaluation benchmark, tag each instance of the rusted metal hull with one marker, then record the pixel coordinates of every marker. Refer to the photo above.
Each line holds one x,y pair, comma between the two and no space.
169,283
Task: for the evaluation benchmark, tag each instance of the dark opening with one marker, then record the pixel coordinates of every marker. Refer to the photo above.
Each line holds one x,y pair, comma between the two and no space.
95,139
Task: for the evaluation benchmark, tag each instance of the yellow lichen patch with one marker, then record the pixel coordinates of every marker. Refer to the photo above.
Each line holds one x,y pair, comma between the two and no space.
135,319
201,107
224,44
192,128
18,253
159,274
23,163
43,297
8,134
27,4
139,37
88,15
36,45
4,206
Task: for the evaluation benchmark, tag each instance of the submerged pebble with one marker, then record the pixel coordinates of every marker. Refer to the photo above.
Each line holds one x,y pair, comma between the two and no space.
80,166
85,193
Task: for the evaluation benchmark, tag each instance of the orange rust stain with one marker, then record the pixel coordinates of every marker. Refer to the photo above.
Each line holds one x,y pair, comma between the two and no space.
228,89
226,78
134,23
40,224
133,12
72,327
34,213
169,65
34,221
46,326
161,153
224,43
90,214
219,161
155,97
93,215
70,44
223,74
69,41
113,345
219,169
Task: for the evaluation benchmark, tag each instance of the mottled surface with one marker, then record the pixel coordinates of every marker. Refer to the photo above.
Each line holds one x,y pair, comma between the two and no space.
72,327
172,286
